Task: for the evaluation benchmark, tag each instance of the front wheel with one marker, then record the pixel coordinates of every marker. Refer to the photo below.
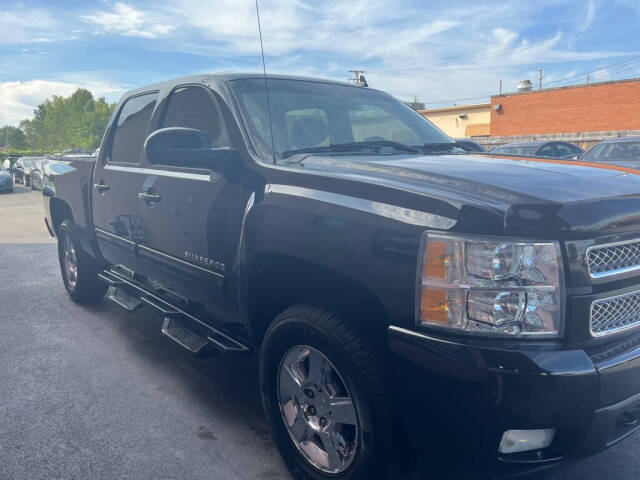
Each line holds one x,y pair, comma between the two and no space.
79,270
326,397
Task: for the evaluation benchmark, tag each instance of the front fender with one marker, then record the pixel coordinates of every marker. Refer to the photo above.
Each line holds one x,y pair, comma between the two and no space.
374,244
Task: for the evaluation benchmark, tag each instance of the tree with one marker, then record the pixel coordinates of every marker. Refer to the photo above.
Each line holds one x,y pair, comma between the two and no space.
12,138
59,123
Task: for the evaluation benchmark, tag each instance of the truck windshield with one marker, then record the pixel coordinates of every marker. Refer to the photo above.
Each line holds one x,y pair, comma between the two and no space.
314,117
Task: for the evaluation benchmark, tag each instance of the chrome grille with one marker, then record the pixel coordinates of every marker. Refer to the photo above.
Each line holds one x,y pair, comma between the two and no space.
614,314
613,259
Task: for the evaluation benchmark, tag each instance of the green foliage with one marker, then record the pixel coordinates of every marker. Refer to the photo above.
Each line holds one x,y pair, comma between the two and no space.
12,137
60,123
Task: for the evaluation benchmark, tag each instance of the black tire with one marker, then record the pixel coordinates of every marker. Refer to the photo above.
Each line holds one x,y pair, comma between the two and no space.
362,373
86,287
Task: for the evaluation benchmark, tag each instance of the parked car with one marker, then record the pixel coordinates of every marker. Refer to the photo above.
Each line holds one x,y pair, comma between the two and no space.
539,149
470,145
37,173
6,181
396,294
18,171
74,151
623,151
22,170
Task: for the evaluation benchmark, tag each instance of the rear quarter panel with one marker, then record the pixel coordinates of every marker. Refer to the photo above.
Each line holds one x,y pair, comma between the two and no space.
67,185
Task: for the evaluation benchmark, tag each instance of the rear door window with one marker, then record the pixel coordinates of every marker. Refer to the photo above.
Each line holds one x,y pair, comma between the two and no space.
131,129
546,151
564,150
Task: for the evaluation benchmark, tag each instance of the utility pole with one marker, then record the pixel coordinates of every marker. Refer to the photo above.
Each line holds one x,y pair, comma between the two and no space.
539,78
500,88
587,79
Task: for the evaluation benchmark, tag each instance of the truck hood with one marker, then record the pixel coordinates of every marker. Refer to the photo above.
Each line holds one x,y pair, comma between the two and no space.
528,193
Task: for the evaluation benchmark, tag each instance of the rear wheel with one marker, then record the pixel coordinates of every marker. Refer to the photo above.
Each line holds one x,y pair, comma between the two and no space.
326,397
79,270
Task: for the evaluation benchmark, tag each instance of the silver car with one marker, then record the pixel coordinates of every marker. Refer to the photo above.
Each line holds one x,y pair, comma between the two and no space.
37,173
623,152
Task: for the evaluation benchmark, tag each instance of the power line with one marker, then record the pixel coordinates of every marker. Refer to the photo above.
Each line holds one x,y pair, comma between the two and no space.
624,65
631,66
580,75
615,71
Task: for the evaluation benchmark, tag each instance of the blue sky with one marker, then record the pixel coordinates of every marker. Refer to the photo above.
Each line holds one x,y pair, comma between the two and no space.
441,51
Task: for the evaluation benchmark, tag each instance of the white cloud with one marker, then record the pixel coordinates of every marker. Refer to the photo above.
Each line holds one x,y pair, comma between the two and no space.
589,17
128,21
438,49
408,47
19,99
367,28
39,24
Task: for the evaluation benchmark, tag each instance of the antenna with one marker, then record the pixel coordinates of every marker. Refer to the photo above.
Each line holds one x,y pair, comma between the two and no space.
266,85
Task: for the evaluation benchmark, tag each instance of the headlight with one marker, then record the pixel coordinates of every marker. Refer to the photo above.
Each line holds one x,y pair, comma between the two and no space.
490,285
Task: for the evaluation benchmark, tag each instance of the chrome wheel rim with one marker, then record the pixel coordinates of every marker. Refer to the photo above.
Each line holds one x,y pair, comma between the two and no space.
317,409
70,262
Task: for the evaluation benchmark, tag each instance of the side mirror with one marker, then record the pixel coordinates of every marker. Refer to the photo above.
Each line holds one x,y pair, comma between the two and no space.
185,147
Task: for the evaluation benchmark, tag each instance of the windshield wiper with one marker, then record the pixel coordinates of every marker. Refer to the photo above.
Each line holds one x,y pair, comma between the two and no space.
447,147
373,145
401,147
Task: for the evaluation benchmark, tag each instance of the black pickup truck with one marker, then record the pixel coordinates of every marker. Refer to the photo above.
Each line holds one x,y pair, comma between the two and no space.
401,294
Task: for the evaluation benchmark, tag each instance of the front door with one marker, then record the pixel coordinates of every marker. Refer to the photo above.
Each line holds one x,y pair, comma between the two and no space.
117,181
191,217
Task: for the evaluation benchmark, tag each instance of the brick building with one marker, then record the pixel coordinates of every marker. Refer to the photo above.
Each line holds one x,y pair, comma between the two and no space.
583,114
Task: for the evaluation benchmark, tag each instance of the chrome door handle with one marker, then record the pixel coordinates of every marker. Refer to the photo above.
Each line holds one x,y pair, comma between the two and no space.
101,187
149,197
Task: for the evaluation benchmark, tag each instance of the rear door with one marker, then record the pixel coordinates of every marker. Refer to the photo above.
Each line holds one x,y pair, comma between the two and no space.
118,179
191,217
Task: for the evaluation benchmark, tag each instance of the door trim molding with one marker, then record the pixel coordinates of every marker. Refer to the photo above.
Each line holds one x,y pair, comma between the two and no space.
152,251
203,177
393,212
113,235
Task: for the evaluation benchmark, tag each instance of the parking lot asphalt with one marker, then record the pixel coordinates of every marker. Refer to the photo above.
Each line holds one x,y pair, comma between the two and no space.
93,392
